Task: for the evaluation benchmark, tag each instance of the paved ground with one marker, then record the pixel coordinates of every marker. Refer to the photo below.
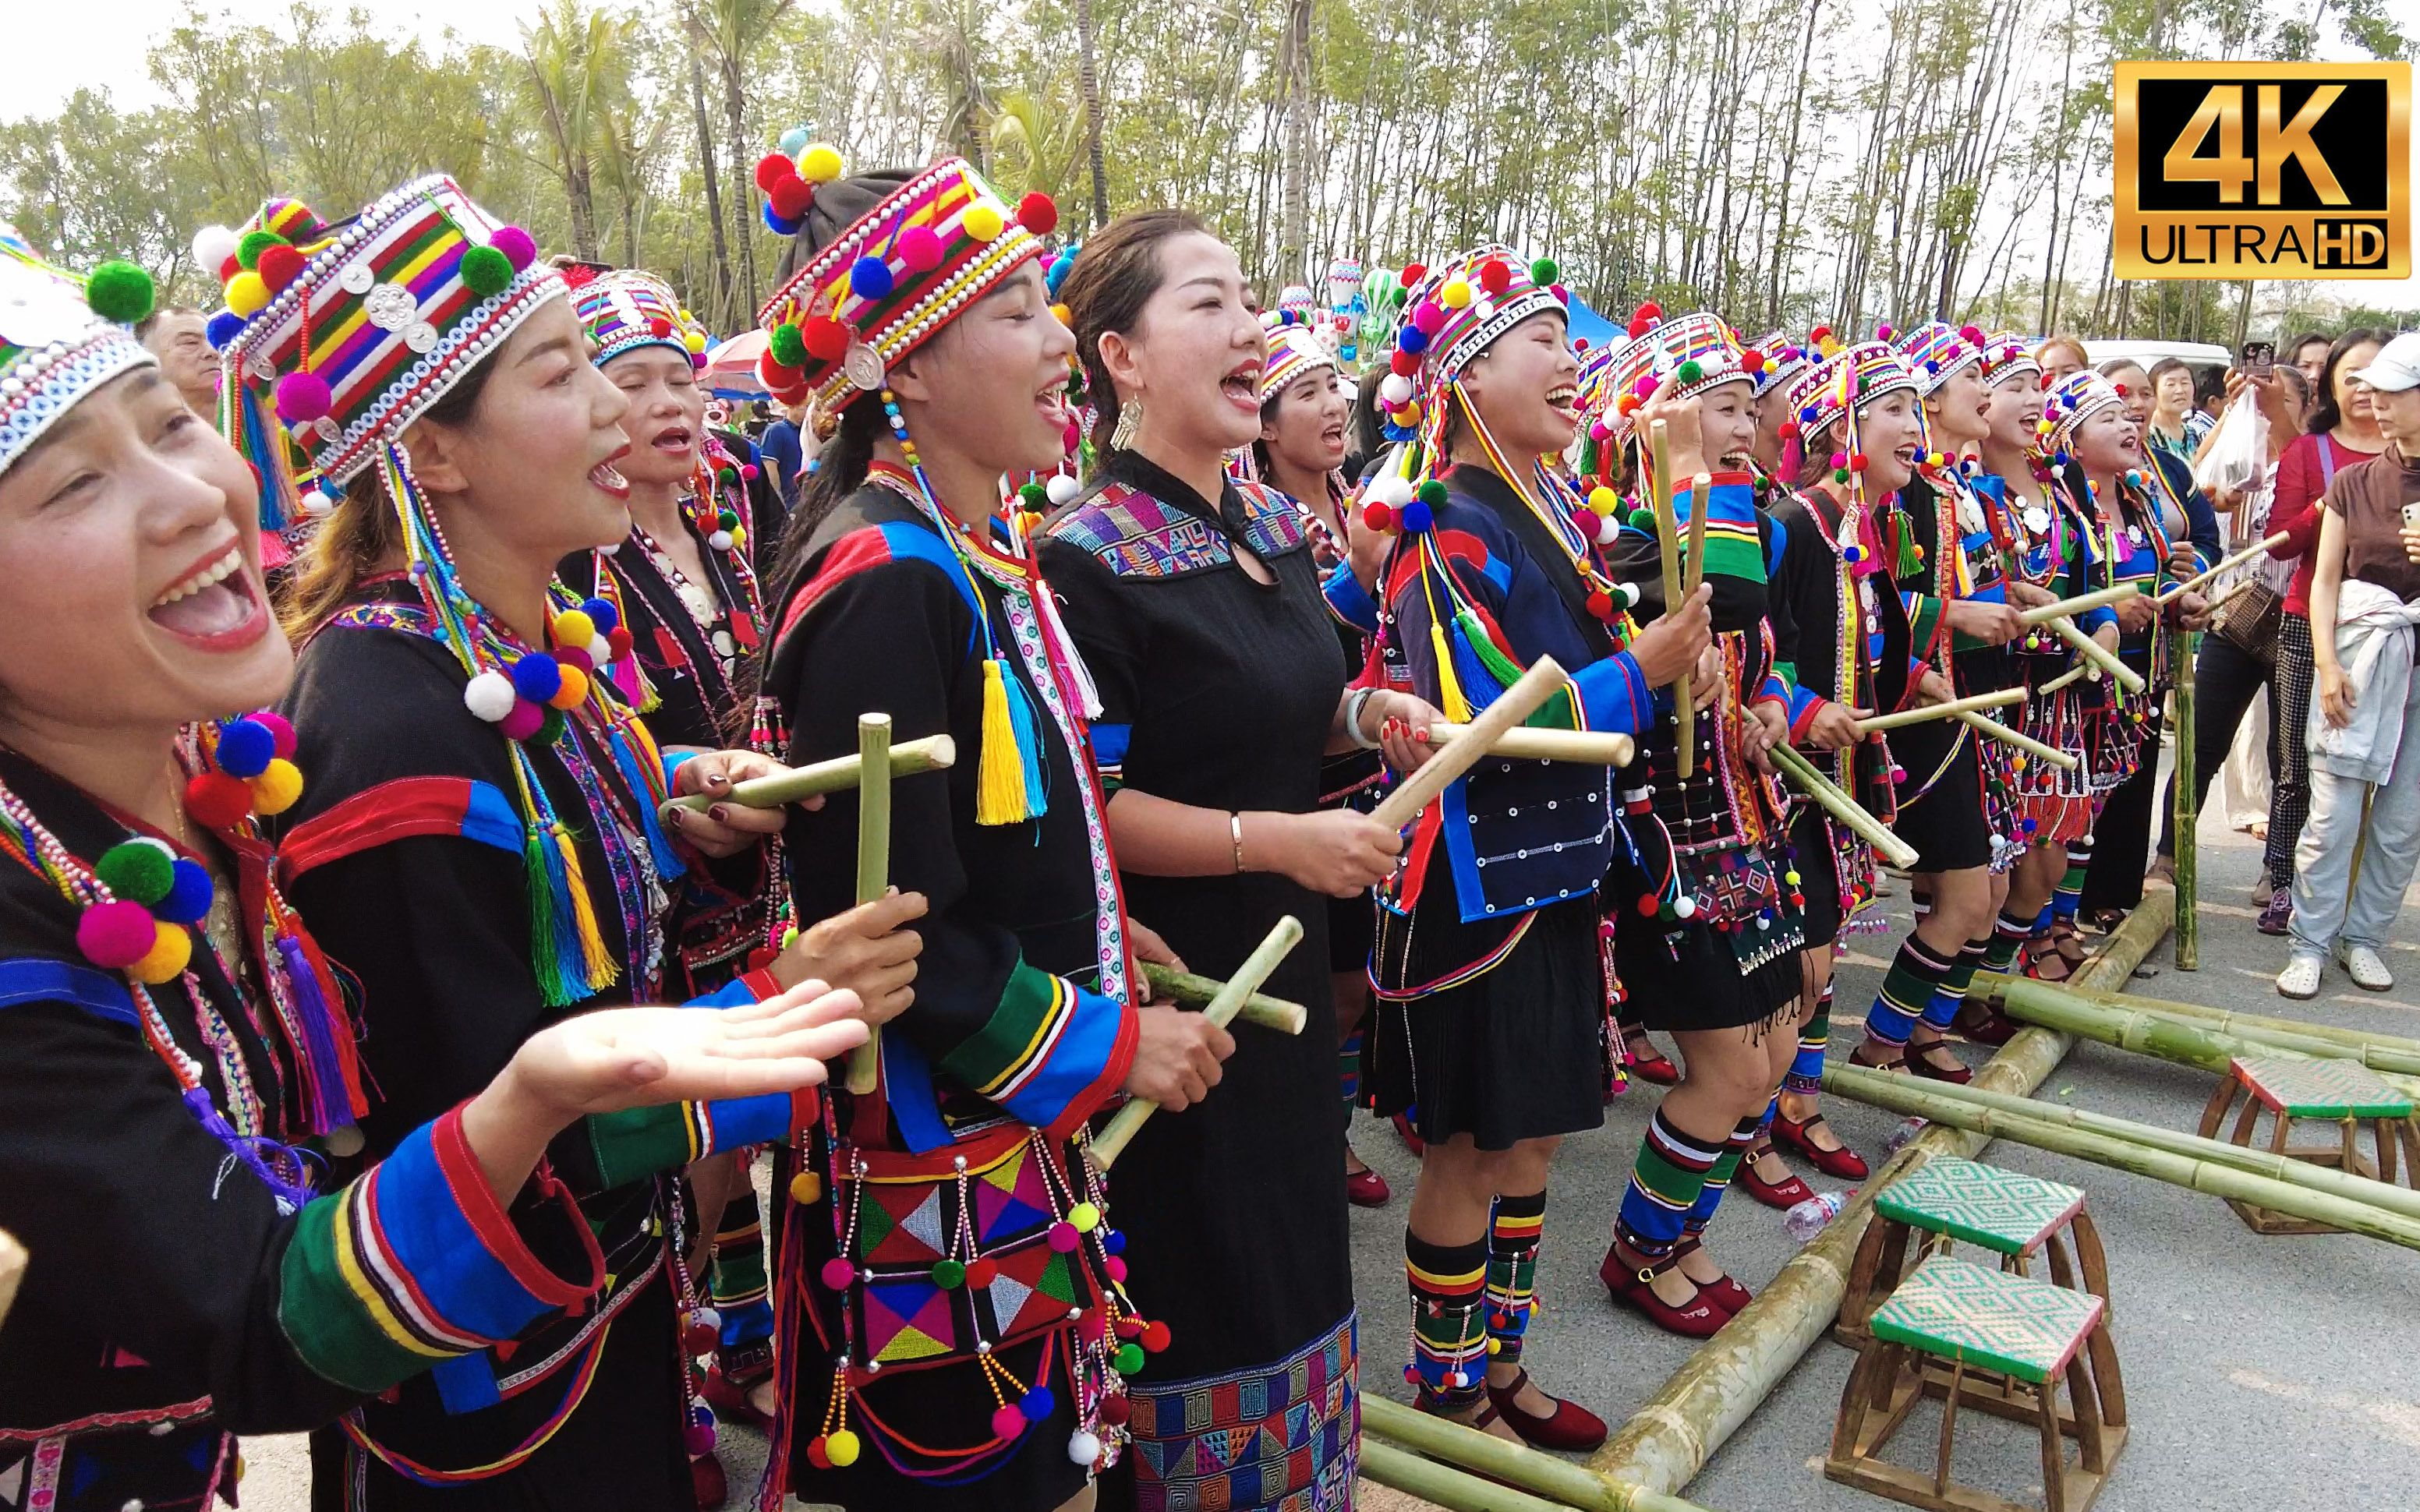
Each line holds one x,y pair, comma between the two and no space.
2264,1372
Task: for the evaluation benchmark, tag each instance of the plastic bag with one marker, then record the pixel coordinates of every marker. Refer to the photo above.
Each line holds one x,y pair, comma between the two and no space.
2237,450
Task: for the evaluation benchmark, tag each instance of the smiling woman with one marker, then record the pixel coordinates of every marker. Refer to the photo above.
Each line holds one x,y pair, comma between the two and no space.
184,1100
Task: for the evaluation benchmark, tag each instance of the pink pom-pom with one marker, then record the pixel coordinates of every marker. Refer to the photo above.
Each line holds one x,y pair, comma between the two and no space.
837,1273
523,723
1007,1423
1973,335
115,936
281,733
1063,1237
1646,386
576,657
1117,1269
303,397
748,470
920,249
697,362
1597,431
1430,315
516,245
698,1438
1883,332
1091,1328
1071,437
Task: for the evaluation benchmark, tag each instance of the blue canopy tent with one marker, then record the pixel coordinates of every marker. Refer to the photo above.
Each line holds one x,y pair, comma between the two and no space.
1586,324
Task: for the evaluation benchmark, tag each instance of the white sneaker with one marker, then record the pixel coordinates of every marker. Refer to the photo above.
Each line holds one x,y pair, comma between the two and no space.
2363,964
2300,980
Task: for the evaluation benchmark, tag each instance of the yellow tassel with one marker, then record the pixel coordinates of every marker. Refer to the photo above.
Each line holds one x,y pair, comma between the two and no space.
598,964
1000,772
1457,708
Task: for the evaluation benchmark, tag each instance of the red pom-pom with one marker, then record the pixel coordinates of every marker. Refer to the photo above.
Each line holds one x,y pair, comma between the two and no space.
1413,273
1647,905
1377,515
1652,310
229,269
1114,1410
776,376
772,168
1856,461
218,800
1600,604
1752,360
621,640
1038,213
660,327
1155,1337
1819,333
1494,276
827,340
1789,429
981,1272
279,267
1007,1423
1640,325
791,197
1403,363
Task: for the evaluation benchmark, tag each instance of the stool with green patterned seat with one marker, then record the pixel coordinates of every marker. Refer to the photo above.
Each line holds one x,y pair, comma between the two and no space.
2344,1093
2014,1215
1951,1318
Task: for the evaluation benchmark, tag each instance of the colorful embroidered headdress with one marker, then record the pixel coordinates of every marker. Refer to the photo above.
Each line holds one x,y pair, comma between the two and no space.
1935,352
1295,349
623,309
1673,359
2071,402
1836,392
1784,359
881,289
2006,357
61,337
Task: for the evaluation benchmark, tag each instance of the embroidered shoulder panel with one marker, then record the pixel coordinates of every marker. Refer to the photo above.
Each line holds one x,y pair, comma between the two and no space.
1136,536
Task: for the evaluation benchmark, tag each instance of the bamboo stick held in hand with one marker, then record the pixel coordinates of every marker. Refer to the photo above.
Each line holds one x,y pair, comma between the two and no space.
1984,724
2069,608
873,863
1197,992
1591,748
1942,710
1841,806
1112,1142
1467,750
1659,486
2098,654
931,754
2169,596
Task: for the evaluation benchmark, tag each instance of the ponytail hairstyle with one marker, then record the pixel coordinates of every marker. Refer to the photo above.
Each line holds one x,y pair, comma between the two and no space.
1114,277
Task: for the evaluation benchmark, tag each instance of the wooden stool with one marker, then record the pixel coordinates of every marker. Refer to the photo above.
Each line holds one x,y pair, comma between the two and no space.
1953,1318
2013,1216
2346,1093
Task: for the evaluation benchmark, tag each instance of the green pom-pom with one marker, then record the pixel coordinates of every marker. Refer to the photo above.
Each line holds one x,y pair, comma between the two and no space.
1643,520
1034,496
550,730
487,271
788,345
1545,270
136,871
117,290
727,477
947,1274
1690,371
1129,1359
1433,493
1839,474
728,519
248,250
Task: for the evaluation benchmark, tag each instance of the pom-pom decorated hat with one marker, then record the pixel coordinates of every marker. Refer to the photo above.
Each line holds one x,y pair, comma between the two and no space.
1846,382
2006,357
1784,359
351,331
622,310
1295,349
2073,400
901,272
1458,309
1935,352
1678,359
61,337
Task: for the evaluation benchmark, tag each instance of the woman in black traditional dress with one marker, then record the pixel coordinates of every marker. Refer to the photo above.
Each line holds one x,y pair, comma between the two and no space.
479,847
182,1066
1195,602
953,1327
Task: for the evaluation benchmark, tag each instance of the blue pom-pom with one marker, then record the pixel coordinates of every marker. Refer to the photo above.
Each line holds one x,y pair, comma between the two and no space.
189,894
601,614
779,226
245,748
1038,1404
869,277
1113,1242
223,328
1417,518
536,677
1412,339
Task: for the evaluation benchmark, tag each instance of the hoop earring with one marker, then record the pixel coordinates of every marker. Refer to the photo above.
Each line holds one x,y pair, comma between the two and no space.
1123,438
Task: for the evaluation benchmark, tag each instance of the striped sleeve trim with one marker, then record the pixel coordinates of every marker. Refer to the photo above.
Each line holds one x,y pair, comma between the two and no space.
415,1262
1051,1053
1349,601
636,1143
1927,621
1613,690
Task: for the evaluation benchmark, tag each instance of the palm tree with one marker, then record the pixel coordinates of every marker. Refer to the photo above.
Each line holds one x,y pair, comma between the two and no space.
731,30
576,77
1088,81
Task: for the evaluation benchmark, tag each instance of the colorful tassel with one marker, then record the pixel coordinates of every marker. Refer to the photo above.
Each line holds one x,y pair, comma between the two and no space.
597,969
542,880
1008,776
1457,708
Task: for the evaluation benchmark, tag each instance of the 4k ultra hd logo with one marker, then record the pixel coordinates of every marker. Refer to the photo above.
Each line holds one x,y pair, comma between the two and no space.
2263,170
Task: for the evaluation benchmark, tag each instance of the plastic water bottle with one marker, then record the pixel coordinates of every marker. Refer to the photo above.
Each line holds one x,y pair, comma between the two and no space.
1810,1217
1901,1136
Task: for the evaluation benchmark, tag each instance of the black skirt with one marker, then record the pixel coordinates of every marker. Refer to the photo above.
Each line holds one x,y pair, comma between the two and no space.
1819,880
1509,1055
1941,809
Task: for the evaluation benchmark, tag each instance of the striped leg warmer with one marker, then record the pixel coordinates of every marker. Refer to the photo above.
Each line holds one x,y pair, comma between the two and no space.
2070,896
1513,1232
735,1281
2008,934
1718,1181
1663,1187
1348,1069
1805,1077
1448,1332
1950,995
1907,989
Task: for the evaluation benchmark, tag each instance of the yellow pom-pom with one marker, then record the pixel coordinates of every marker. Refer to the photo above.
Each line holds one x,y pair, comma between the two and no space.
841,1449
819,164
277,788
1603,501
574,691
1084,1217
806,1187
1410,414
247,294
573,627
1456,295
738,537
982,223
1065,316
694,340
1494,1344
171,950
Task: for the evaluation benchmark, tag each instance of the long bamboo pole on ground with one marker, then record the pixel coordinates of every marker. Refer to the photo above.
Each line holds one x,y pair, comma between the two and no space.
2402,1201
1950,710
1841,806
872,864
2188,807
1659,484
1112,1142
1703,1403
1199,992
1534,1470
2166,1037
930,754
2140,1159
2394,1052
1457,1490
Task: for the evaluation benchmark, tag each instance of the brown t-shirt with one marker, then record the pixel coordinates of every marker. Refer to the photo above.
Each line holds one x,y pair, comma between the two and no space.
2370,498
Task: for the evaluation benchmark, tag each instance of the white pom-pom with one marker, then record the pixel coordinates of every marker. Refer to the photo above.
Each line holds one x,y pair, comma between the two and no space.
1627,592
1083,1448
317,504
212,246
1391,490
344,1143
600,650
1062,489
720,540
707,1317
1608,530
1684,907
1396,391
490,696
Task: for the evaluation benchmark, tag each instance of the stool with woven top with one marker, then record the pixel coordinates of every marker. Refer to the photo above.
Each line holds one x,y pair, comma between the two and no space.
2344,1093
1953,1318
2013,1216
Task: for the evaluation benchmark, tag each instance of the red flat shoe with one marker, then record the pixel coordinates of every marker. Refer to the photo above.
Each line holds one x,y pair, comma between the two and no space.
1922,1064
1842,1163
1785,1194
1984,1024
1409,1135
1699,1319
1570,1425
729,1400
1723,1292
707,1483
1647,1063
1366,1189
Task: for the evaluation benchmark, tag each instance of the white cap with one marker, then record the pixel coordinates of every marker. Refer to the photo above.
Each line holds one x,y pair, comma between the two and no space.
2397,366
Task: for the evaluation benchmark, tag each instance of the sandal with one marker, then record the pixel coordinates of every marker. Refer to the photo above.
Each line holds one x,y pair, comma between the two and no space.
2105,919
1698,1319
1839,1161
1984,1024
2039,958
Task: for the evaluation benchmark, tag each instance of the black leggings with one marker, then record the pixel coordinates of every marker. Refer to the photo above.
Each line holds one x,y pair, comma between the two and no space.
2227,678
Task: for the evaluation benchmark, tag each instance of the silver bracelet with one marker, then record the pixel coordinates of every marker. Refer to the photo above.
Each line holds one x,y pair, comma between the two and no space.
1355,700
